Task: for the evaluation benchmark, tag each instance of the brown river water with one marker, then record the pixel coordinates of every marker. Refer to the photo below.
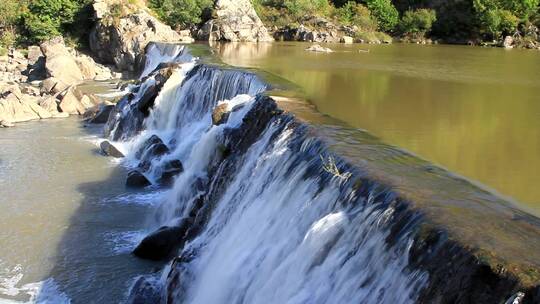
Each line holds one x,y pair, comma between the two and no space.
474,111
67,223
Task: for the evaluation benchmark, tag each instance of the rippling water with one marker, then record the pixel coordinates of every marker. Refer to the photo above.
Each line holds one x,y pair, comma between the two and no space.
67,224
475,111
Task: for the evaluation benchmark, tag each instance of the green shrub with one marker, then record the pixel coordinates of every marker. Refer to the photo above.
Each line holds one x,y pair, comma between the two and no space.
501,17
182,14
497,22
418,22
9,17
300,8
48,18
385,12
356,14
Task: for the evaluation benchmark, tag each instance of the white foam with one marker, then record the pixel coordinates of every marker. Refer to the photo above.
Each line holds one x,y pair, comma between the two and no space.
43,292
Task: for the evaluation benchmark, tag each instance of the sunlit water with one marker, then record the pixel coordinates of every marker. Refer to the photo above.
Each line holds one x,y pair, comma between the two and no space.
475,111
67,224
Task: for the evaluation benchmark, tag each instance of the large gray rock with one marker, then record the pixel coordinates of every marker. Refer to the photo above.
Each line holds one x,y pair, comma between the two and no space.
59,62
18,107
72,102
236,20
108,149
121,40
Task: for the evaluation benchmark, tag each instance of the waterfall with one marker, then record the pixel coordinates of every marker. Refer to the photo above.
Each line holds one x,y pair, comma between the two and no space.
159,53
272,215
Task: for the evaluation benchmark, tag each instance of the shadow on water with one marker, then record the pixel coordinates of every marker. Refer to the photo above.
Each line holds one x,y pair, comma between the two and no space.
93,261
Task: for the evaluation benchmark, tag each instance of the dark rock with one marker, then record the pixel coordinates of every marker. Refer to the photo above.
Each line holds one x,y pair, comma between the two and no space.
162,243
152,147
170,170
144,291
102,114
108,149
136,179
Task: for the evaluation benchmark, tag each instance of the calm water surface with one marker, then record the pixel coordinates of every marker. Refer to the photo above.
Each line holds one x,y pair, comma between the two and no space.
67,223
475,111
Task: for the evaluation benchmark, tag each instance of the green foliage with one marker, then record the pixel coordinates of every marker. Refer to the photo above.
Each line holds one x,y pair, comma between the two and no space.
353,13
9,17
502,17
418,22
47,18
307,7
385,12
182,13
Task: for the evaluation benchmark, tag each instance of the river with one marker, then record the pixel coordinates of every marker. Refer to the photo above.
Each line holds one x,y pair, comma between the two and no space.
472,110
68,224
270,214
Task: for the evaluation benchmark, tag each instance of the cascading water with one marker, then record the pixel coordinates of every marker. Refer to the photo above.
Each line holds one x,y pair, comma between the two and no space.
271,216
158,53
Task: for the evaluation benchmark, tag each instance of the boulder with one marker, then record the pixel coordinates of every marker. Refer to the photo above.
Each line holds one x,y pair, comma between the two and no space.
508,42
152,147
102,114
221,114
123,41
236,20
87,66
71,102
41,112
13,109
347,39
171,169
136,179
59,62
318,48
50,103
108,149
317,30
34,54
6,124
163,243
48,85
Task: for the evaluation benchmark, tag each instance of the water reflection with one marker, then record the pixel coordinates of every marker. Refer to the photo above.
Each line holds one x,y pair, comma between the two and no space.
474,111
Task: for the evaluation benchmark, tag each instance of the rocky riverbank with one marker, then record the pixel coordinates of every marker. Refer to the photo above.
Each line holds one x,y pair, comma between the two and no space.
41,82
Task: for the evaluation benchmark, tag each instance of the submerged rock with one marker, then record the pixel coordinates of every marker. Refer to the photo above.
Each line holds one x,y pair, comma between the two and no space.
108,149
152,147
170,170
162,243
319,48
136,179
144,291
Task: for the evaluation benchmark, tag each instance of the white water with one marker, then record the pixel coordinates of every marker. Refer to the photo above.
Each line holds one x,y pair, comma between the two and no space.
163,53
275,236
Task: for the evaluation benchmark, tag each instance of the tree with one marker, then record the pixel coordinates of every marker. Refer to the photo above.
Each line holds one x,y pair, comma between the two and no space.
47,18
417,22
353,13
385,12
311,7
181,13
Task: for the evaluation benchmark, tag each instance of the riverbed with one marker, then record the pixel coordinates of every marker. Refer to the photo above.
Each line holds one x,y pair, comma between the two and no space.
472,110
68,224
